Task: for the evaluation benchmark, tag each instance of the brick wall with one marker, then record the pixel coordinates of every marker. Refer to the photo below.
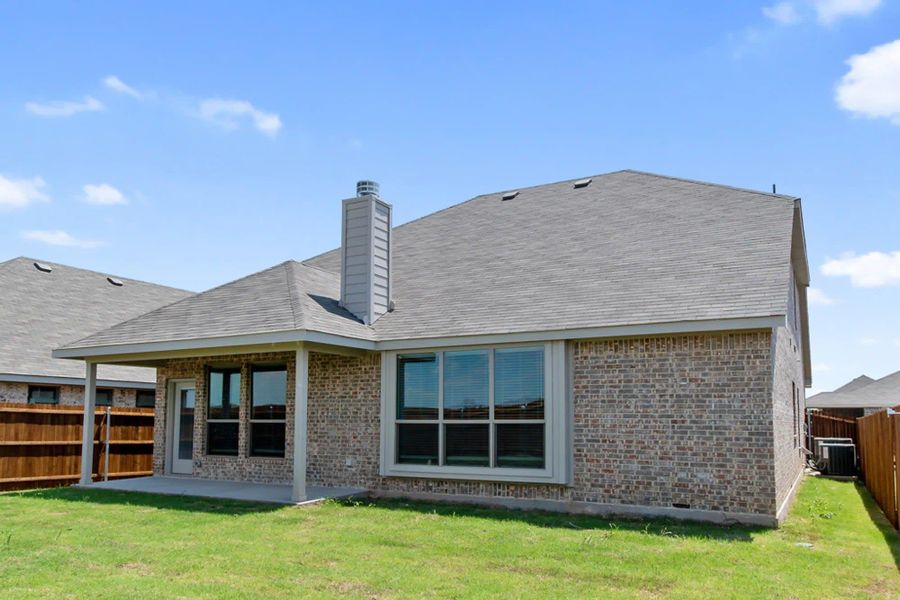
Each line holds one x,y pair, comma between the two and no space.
676,420
788,376
69,395
239,468
679,420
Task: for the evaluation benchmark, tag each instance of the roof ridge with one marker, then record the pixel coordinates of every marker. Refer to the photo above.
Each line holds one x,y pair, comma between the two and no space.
291,278
83,270
710,184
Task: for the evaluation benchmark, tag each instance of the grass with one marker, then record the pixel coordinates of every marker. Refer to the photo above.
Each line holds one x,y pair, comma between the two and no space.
65,543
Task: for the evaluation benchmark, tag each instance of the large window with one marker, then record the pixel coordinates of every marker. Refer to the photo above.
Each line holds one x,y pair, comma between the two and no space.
223,411
471,412
43,394
268,395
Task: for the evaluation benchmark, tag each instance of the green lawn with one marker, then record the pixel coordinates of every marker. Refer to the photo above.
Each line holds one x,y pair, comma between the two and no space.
67,543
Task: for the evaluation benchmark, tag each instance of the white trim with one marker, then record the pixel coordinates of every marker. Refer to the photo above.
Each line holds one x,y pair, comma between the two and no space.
301,435
46,379
296,336
556,441
170,421
87,426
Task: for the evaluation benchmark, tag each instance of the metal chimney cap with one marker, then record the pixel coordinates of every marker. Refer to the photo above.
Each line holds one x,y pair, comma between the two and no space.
367,187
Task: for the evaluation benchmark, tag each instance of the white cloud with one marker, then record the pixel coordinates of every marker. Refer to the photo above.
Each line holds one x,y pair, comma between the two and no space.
117,85
875,269
817,296
19,193
829,12
104,194
64,108
868,341
58,237
897,343
784,13
871,88
228,113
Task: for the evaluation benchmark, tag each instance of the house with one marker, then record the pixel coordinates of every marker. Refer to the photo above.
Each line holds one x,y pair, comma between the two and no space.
859,398
625,343
44,305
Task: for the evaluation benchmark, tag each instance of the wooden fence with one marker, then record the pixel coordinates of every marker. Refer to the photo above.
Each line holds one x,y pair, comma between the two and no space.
828,426
879,446
40,446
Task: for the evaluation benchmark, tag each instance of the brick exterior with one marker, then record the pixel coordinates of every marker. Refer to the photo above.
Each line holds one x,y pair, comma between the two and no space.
681,420
789,430
237,468
69,395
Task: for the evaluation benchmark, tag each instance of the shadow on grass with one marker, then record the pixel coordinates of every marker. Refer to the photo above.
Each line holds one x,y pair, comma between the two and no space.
537,518
143,499
891,537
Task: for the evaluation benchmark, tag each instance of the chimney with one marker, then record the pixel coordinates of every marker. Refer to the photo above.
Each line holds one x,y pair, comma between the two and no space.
366,254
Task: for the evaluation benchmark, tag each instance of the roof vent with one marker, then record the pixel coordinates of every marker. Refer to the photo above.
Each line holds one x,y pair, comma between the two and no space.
115,282
509,195
582,183
367,188
42,267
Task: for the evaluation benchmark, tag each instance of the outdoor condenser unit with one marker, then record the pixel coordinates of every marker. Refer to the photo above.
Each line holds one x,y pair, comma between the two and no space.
817,444
840,459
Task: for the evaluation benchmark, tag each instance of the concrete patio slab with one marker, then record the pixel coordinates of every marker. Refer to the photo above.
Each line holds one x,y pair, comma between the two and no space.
233,490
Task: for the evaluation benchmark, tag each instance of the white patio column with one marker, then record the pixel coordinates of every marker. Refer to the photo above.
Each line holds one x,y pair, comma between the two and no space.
87,434
301,396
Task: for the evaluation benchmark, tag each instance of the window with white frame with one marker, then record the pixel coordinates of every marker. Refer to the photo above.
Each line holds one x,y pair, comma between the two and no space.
480,412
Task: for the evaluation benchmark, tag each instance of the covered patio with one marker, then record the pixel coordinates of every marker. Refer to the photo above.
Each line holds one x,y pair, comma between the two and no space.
231,490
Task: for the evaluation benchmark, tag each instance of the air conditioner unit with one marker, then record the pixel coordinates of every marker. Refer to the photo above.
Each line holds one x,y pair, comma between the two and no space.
817,444
840,459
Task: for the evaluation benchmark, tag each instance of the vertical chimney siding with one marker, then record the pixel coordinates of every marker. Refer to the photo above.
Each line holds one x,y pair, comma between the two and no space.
366,257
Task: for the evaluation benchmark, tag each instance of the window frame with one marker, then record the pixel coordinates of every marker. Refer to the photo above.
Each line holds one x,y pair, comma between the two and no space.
55,389
262,367
226,371
556,421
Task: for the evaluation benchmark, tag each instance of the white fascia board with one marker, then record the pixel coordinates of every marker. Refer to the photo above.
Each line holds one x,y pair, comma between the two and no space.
48,380
278,337
299,336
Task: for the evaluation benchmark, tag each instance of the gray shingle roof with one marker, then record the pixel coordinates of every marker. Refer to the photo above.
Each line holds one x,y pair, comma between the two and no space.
878,393
286,297
630,248
40,311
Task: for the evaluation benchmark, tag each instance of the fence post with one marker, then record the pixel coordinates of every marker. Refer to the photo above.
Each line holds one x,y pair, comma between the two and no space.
106,456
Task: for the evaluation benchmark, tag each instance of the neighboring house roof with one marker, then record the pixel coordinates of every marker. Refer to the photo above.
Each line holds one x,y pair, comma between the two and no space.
630,248
40,311
852,385
862,392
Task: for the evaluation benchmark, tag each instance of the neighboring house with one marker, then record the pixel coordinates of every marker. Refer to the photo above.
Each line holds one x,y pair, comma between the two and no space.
44,305
625,343
861,397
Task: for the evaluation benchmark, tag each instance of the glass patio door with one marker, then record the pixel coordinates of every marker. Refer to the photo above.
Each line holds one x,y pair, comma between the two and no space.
182,443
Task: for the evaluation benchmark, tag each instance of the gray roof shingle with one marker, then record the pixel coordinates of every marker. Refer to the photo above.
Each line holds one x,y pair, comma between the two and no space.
630,248
877,393
40,311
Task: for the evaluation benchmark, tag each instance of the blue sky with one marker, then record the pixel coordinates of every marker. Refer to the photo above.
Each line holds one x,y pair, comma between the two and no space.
192,143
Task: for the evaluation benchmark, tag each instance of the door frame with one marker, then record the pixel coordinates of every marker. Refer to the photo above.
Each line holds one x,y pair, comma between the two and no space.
171,415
